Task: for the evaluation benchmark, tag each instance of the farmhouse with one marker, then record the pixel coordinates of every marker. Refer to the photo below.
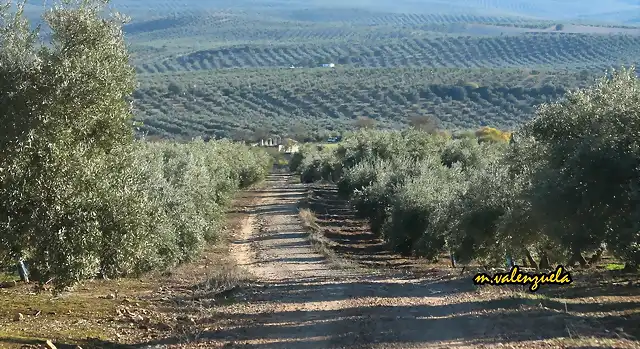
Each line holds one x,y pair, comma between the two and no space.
328,65
289,146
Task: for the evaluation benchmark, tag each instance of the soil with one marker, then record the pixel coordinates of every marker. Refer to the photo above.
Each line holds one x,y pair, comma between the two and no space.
293,296
304,300
127,312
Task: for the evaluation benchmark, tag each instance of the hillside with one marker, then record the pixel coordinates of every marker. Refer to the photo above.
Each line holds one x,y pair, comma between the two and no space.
531,51
238,102
620,11
466,62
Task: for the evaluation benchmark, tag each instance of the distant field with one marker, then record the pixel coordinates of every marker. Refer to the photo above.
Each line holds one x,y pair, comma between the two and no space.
534,50
238,26
611,10
222,67
232,102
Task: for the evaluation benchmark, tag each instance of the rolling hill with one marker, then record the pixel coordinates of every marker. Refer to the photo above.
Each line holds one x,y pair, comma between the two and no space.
222,67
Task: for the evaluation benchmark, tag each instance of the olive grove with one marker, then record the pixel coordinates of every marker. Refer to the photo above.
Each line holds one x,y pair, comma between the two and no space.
562,186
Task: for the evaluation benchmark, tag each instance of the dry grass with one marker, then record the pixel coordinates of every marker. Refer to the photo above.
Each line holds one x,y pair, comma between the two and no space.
319,241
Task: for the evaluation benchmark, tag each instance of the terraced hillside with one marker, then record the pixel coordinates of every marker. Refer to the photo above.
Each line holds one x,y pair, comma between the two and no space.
225,22
224,28
221,35
612,10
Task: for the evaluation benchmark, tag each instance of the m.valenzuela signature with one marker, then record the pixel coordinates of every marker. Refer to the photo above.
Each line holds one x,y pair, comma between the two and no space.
516,277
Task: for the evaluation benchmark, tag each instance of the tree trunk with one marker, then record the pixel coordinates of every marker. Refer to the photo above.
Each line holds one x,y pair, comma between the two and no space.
596,257
530,259
577,257
630,268
544,261
36,274
510,262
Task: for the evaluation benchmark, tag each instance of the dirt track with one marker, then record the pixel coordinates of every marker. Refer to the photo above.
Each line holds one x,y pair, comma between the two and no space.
303,301
311,304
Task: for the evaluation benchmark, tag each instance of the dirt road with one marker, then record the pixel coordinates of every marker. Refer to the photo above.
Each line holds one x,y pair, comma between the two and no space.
309,303
303,301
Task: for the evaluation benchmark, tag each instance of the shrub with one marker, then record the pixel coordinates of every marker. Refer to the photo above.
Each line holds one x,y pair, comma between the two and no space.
374,200
412,225
490,134
296,160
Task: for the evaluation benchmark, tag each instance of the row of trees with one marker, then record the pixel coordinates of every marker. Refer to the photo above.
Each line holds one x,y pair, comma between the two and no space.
459,92
551,49
240,101
80,195
564,185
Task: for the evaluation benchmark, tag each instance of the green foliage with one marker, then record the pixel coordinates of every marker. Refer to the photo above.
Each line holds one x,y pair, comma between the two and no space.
563,185
65,133
316,103
463,151
414,223
80,196
587,184
475,232
316,164
192,185
296,160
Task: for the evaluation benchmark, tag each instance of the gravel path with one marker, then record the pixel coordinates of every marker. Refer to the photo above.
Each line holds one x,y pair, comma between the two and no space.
308,303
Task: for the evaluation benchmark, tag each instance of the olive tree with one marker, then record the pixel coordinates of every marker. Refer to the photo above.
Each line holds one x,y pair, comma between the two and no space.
66,130
586,188
524,229
414,223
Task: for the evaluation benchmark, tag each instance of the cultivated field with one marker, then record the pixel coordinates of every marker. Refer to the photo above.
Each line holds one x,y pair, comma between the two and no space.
319,100
118,229
248,50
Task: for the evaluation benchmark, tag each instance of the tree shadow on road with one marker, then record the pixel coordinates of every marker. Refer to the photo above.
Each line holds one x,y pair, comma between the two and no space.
420,312
334,312
419,316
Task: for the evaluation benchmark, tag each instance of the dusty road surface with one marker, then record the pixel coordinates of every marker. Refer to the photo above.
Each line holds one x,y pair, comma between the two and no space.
307,302
303,301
